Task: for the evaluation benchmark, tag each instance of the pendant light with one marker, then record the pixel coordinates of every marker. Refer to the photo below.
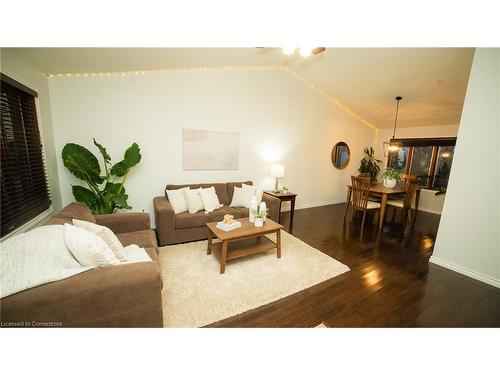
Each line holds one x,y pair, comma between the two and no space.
393,147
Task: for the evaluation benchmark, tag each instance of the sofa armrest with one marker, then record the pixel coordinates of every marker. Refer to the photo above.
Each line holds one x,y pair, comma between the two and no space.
125,222
164,219
273,205
127,295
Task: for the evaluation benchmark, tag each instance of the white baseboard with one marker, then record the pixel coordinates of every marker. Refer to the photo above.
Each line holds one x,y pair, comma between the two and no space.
465,271
316,204
437,212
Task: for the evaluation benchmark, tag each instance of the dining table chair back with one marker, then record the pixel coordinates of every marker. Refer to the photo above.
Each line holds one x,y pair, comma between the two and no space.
360,192
410,189
408,177
364,175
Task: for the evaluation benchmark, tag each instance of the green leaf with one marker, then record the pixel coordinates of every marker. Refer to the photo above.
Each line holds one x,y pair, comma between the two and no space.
82,163
119,169
103,151
120,200
82,194
114,188
131,158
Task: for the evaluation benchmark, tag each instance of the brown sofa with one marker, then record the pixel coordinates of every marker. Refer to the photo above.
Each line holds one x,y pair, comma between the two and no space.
127,295
184,227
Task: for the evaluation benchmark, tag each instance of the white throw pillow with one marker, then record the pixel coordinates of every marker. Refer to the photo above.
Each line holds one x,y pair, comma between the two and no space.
241,197
88,248
257,191
210,199
106,234
193,200
177,200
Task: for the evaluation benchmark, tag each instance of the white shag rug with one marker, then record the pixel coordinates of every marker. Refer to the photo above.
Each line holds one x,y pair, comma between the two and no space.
196,294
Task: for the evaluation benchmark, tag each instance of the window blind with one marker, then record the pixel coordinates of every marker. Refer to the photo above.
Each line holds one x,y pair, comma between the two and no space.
24,186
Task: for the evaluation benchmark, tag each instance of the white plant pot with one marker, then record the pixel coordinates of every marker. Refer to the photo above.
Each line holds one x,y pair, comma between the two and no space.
258,222
390,184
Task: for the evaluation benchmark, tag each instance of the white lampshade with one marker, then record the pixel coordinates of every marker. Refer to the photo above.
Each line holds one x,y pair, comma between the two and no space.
278,170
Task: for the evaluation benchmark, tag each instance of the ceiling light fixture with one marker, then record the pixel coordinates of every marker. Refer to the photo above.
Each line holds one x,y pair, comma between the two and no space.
305,52
289,50
392,146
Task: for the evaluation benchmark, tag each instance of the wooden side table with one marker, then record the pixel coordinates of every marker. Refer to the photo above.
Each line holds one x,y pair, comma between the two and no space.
285,197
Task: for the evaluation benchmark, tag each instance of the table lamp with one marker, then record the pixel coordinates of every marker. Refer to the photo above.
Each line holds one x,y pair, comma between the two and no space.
277,171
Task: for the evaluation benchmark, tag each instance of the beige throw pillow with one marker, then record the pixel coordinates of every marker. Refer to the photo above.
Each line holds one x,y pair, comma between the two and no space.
89,249
257,191
177,200
106,234
241,197
210,199
193,200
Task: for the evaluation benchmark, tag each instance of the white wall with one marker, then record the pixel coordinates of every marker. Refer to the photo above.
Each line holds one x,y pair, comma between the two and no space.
29,75
428,200
279,119
468,239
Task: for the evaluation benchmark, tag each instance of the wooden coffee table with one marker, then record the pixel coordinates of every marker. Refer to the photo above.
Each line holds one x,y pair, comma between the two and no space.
243,241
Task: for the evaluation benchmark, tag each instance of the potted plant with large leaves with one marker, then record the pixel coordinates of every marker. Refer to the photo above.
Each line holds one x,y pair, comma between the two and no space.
105,194
369,164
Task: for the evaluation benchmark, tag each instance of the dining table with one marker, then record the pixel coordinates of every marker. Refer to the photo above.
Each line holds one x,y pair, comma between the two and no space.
379,190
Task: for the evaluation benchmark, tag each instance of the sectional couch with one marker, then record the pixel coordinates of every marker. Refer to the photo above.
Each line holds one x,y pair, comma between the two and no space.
127,295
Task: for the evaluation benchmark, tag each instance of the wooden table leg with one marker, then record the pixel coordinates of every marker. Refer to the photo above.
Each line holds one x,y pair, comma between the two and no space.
278,242
279,213
209,244
382,211
348,200
292,210
417,201
223,256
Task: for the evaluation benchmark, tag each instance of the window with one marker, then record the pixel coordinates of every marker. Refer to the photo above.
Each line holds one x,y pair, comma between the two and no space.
427,158
421,163
398,161
24,188
443,167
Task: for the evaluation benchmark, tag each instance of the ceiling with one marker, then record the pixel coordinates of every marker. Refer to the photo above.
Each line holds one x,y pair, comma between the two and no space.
432,81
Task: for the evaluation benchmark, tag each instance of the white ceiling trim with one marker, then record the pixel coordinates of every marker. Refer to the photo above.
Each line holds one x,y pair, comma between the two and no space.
315,88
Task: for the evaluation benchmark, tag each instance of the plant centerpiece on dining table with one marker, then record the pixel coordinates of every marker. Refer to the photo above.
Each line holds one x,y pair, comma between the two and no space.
369,164
390,178
105,194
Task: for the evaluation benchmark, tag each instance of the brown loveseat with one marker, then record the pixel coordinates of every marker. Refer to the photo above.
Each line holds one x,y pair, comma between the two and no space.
126,295
184,227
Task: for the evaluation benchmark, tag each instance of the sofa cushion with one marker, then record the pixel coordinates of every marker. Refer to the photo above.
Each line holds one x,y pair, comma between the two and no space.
75,210
244,212
220,189
199,219
230,188
218,215
142,238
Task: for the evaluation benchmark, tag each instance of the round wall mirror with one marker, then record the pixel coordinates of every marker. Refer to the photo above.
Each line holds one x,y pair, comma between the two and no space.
340,155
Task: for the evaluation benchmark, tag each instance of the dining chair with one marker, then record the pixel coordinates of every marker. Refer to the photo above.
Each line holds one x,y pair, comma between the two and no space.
360,202
364,175
406,203
405,177
372,197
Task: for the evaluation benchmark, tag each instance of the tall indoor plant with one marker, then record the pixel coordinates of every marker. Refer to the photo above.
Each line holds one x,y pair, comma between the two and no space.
105,194
369,164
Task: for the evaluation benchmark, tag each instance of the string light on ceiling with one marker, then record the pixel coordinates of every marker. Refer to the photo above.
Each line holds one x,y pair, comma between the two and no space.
257,68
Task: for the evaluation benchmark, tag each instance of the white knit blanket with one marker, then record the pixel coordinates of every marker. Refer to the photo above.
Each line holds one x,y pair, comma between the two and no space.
37,257
41,256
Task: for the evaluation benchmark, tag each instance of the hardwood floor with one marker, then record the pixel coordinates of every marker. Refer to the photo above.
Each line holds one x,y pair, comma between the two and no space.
391,283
